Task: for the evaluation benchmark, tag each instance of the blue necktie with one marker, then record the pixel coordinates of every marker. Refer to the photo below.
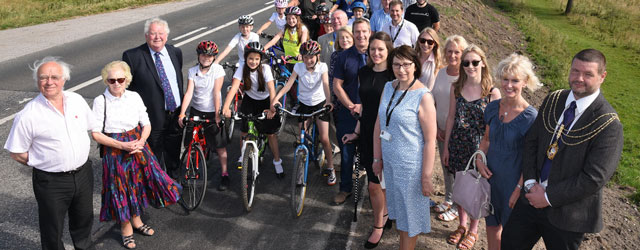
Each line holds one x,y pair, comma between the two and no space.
569,115
169,100
363,60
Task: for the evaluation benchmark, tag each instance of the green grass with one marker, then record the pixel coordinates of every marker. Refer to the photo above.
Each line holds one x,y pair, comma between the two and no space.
19,13
553,40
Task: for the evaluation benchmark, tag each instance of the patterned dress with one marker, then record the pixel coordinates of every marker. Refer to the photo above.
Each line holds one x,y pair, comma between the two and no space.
131,182
402,160
468,129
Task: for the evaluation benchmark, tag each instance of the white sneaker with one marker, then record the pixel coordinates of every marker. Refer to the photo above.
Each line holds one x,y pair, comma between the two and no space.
279,170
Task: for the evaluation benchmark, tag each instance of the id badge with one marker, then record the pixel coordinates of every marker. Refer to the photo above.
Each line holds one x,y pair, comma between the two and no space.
385,135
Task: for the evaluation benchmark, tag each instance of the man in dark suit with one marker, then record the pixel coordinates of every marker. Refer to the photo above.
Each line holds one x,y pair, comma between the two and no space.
570,152
157,77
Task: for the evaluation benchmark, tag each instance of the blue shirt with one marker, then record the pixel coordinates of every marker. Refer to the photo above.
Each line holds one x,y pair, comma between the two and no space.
343,5
170,71
346,68
375,5
378,20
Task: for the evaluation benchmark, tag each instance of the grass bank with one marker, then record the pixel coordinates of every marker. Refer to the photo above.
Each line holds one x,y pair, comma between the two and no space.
19,13
610,26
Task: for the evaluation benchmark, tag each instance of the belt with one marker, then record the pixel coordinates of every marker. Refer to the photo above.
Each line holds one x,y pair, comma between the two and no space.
70,172
172,112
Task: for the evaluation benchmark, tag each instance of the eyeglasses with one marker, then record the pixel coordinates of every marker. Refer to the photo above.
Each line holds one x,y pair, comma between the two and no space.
114,80
466,63
405,66
44,78
428,41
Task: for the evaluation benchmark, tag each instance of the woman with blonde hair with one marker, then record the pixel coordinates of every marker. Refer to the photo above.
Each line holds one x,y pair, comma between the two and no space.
132,177
508,121
469,97
344,41
428,48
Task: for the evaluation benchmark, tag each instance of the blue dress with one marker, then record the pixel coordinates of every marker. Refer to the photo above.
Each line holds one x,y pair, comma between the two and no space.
402,158
504,157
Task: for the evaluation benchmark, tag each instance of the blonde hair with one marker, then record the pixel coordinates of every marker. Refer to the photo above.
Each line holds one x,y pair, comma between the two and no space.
486,81
119,65
436,47
519,66
346,29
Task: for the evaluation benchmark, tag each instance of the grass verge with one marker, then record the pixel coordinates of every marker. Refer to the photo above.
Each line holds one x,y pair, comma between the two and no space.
553,40
20,13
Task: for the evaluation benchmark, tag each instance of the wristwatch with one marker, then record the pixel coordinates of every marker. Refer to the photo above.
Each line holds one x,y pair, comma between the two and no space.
528,187
375,160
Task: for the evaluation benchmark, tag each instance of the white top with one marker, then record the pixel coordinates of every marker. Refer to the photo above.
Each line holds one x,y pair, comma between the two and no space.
441,91
253,92
203,86
428,70
407,35
241,42
310,91
170,71
55,142
280,22
350,22
124,113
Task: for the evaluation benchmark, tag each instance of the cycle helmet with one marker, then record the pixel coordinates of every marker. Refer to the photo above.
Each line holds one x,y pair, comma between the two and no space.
208,48
359,5
310,48
281,3
253,47
325,20
293,10
322,9
245,20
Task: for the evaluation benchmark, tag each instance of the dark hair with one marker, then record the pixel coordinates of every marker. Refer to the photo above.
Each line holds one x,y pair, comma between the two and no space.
396,2
246,73
406,52
592,55
382,36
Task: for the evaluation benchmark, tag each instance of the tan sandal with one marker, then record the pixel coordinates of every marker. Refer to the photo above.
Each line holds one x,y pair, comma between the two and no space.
468,241
455,237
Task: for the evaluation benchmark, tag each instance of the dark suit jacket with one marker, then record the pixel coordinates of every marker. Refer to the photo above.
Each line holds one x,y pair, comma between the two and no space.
147,82
578,172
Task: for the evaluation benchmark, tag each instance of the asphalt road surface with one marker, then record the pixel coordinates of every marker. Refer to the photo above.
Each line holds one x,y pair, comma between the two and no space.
220,222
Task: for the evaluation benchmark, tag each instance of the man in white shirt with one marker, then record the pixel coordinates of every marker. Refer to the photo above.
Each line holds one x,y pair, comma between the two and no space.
402,32
50,135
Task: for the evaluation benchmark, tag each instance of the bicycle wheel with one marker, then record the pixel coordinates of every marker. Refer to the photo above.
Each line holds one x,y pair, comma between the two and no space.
229,123
193,177
298,185
283,116
318,150
248,180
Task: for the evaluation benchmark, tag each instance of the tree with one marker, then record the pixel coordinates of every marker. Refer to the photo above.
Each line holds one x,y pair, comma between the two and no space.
569,7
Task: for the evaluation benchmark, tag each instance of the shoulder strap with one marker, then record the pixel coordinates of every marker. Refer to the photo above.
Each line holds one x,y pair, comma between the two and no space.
104,120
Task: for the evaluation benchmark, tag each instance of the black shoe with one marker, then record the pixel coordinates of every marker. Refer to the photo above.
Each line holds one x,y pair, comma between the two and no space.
224,183
387,225
280,175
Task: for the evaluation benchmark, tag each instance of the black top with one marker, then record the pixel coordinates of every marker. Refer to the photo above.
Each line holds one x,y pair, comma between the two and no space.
308,8
422,17
371,86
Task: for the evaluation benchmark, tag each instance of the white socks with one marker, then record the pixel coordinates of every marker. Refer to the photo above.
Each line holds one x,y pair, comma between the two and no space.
278,165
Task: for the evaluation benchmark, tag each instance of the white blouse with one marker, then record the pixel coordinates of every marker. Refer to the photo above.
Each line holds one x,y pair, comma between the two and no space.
124,113
310,91
203,87
253,92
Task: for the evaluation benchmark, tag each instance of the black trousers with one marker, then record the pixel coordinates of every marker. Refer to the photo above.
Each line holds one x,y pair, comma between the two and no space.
527,224
165,142
59,194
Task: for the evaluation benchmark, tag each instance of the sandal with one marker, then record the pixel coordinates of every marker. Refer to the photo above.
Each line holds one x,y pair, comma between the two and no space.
145,230
455,237
442,207
127,240
449,215
468,241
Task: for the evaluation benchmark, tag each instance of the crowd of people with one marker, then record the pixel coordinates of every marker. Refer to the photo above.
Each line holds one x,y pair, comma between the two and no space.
394,88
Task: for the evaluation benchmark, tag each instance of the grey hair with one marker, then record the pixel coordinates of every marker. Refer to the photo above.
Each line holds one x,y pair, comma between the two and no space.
66,68
156,20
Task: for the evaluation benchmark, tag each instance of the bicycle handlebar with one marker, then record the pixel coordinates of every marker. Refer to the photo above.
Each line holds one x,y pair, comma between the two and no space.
317,112
227,65
240,116
267,36
195,119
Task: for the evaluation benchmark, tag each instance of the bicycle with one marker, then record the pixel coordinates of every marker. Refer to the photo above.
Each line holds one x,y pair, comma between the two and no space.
237,100
252,148
308,149
193,176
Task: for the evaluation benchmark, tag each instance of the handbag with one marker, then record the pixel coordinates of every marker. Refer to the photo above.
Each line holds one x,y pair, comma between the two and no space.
472,191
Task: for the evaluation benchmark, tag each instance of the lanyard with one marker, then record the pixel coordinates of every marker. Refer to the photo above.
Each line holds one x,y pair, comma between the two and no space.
334,37
389,112
397,33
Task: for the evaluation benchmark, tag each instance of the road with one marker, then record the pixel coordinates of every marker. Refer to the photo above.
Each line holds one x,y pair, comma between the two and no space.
220,222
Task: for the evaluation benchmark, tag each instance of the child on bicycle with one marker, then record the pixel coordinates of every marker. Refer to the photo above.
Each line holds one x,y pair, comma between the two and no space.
277,17
241,39
358,8
203,93
313,94
259,91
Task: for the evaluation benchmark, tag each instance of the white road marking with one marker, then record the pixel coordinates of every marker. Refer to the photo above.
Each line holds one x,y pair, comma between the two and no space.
188,34
270,2
97,78
24,100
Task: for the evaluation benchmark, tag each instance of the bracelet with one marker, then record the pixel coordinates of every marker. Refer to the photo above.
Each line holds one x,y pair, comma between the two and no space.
182,116
356,133
376,160
518,186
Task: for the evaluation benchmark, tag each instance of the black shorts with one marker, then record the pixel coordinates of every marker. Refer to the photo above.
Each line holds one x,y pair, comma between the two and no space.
211,131
304,109
256,107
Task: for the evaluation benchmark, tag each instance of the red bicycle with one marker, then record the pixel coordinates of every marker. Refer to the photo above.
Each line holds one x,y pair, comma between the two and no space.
237,99
193,167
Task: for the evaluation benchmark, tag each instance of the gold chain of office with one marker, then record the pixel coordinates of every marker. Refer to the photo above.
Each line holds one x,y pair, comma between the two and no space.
549,114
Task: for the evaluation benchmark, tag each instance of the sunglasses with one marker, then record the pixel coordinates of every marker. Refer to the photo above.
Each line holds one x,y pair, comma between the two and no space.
428,41
114,80
466,63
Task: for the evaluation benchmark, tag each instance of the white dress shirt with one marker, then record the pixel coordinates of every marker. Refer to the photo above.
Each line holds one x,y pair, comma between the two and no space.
428,70
170,71
124,113
405,33
55,142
